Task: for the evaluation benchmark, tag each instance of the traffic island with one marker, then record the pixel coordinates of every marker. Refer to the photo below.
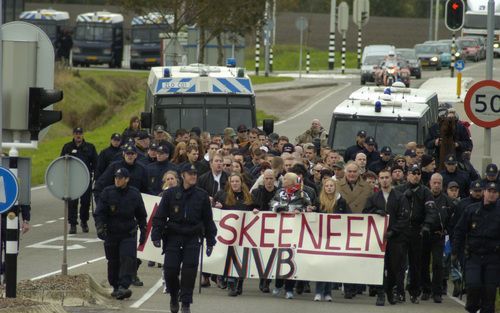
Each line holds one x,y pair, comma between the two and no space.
67,291
16,305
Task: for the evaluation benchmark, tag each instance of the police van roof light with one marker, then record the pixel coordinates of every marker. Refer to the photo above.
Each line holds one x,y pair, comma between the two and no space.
387,91
378,106
231,62
166,72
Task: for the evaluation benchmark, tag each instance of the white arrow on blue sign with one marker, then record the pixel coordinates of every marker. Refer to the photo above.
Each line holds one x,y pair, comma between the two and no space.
459,65
9,189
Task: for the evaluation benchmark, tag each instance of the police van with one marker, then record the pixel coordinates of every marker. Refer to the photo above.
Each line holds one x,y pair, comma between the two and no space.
145,36
209,97
393,115
50,21
98,39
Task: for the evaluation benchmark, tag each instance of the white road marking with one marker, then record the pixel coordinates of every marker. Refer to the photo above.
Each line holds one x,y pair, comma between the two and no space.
38,187
37,225
148,295
61,218
456,299
312,105
45,244
69,268
51,221
153,310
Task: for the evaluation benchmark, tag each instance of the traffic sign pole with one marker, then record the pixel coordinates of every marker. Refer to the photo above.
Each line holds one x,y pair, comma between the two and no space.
459,84
489,76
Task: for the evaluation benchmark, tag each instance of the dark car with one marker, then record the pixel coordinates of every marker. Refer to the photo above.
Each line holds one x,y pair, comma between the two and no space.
428,55
413,62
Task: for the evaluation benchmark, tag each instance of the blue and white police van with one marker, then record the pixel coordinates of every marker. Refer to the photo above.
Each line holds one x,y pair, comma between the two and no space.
98,39
209,97
50,21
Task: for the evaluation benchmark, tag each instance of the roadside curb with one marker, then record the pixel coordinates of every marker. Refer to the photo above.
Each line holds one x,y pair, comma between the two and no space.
42,308
294,87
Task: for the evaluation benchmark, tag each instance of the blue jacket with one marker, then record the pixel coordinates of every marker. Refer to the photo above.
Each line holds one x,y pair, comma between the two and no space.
155,171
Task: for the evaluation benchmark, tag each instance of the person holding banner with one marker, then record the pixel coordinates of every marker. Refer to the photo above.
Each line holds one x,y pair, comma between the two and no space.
235,197
289,199
183,219
389,201
330,201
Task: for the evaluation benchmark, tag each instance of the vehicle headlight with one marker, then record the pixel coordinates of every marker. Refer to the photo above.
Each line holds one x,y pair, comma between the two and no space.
106,51
457,54
390,71
496,45
134,53
76,50
434,59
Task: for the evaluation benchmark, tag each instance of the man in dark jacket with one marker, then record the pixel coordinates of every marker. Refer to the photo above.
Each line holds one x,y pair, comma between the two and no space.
419,198
263,194
453,173
433,241
491,175
120,211
384,161
86,152
183,219
370,150
350,153
108,155
157,169
392,202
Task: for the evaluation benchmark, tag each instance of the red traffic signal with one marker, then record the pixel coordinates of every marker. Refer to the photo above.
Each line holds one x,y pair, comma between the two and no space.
38,118
454,14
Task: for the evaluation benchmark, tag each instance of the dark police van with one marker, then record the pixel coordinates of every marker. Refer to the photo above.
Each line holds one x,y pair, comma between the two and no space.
50,21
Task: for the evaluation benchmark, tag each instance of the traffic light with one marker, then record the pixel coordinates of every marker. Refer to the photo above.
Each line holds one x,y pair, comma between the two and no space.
454,14
38,118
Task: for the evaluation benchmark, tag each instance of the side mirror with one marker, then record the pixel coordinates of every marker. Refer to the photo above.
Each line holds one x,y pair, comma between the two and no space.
268,126
146,120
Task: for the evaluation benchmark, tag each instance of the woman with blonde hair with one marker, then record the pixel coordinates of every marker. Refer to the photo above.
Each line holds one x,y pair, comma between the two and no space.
180,153
170,179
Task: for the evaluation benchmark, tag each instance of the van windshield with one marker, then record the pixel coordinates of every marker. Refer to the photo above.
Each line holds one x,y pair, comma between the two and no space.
394,135
148,34
93,32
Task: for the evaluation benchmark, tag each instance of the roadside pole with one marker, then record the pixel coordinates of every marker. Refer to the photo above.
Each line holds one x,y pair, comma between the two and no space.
331,44
436,19
343,25
301,24
257,50
453,56
489,76
459,84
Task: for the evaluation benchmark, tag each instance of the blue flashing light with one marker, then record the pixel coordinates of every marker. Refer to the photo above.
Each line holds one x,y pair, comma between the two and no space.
231,62
378,106
166,72
387,91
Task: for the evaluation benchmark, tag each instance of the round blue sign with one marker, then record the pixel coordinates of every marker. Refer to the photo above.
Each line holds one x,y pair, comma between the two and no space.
459,65
9,189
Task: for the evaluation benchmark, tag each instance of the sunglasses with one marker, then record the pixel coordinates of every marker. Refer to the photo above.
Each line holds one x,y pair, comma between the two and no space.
416,173
227,165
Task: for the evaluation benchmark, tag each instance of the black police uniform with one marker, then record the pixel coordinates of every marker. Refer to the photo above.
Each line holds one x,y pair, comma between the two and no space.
397,208
88,154
183,219
478,234
156,170
350,153
119,212
420,219
105,158
460,177
433,244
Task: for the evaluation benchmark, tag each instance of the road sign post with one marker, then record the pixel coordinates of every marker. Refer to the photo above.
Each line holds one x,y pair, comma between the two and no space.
301,24
67,178
360,16
343,26
459,65
331,43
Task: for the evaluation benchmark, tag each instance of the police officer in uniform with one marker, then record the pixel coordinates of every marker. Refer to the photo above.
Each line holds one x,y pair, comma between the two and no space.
182,221
478,234
157,169
120,211
108,155
350,153
86,152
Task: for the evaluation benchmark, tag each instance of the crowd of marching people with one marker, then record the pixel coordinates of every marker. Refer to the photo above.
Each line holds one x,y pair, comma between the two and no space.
444,217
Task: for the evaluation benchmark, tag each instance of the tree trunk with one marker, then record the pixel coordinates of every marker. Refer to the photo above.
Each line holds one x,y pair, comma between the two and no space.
201,45
220,50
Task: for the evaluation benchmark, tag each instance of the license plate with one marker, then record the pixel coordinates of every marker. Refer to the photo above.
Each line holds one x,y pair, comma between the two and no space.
424,63
151,60
92,58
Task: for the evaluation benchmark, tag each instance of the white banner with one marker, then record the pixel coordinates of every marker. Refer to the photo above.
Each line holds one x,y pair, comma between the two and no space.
347,248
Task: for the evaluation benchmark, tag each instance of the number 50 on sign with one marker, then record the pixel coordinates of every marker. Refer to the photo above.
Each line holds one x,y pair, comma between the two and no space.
482,103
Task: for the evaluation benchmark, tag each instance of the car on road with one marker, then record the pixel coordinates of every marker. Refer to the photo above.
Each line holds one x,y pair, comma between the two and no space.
444,51
369,66
469,48
428,55
496,49
413,62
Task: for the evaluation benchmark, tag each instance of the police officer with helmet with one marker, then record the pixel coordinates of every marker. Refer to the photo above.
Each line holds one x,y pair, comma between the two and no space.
182,221
478,234
120,211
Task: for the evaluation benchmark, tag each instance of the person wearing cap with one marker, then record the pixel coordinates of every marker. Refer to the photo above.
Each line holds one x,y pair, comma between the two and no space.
461,138
229,134
151,154
384,161
491,174
108,155
398,176
428,166
350,153
453,190
242,138
316,131
338,170
411,157
453,173
477,236
142,141
400,161
389,201
119,213
132,129
433,241
183,219
86,152
370,150
157,169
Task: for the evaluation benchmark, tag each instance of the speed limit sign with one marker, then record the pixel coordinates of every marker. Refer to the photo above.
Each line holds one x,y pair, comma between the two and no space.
482,103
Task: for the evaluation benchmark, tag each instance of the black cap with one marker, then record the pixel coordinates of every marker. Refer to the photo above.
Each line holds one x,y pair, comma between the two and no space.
129,149
153,146
188,167
491,169
386,150
491,185
242,128
122,172
476,185
453,184
413,169
410,153
196,130
397,167
361,133
370,141
288,147
77,130
116,136
450,159
163,149
426,160
142,135
159,128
